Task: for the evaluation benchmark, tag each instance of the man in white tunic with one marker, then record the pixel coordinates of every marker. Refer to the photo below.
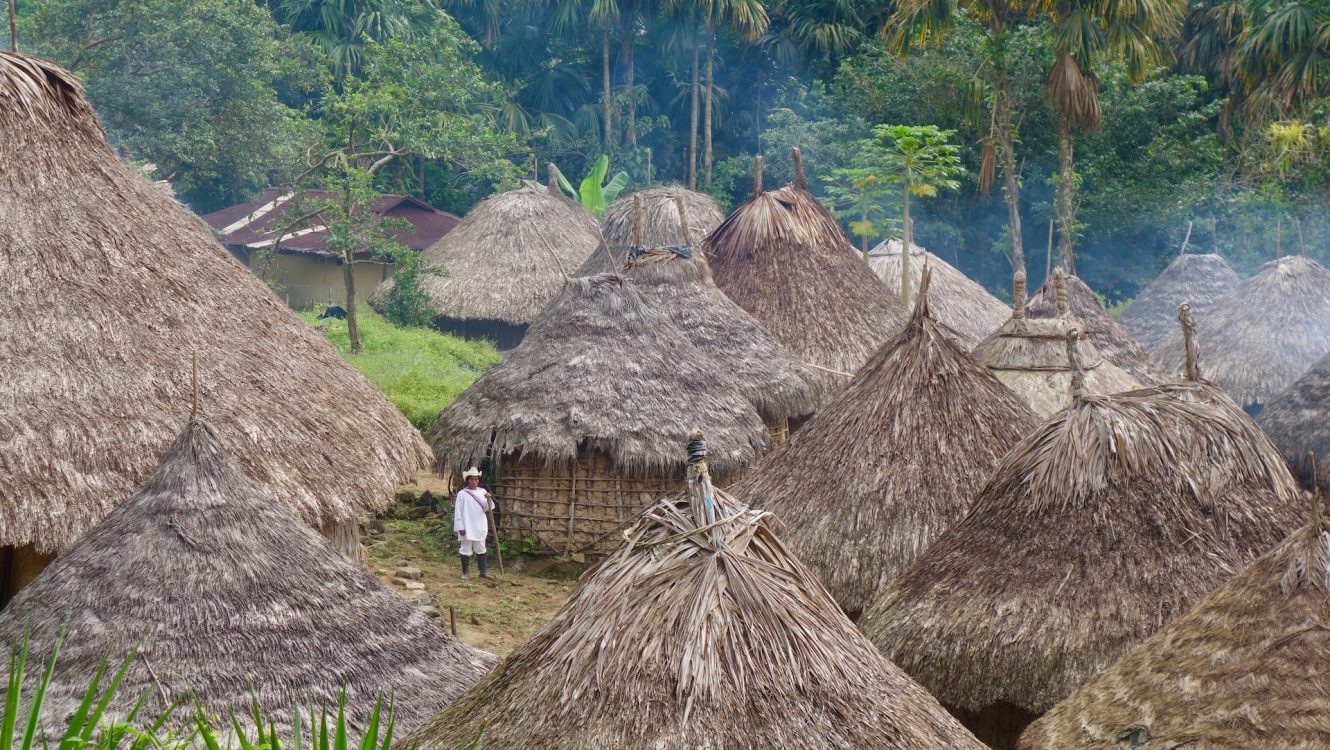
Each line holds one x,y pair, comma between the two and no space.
471,522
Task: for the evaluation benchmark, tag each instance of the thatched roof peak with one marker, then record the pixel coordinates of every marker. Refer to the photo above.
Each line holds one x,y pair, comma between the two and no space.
1109,337
101,315
222,586
1113,517
1269,330
959,302
872,455
660,224
603,370
1242,669
1196,278
673,644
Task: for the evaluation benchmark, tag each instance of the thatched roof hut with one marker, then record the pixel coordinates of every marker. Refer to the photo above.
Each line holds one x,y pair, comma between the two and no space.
658,222
505,262
864,473
1029,356
110,287
1199,279
1245,668
1298,419
1269,330
783,257
221,587
1108,336
697,634
959,302
1116,515
587,414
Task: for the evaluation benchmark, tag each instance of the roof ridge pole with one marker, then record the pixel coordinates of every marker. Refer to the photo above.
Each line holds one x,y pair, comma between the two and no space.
700,492
1018,295
921,294
683,219
800,181
1316,501
1060,292
552,181
1076,364
757,176
1191,343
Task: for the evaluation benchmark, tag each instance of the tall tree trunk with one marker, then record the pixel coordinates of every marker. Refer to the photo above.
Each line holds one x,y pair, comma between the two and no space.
1066,197
707,116
349,279
1007,153
626,59
607,93
907,241
692,128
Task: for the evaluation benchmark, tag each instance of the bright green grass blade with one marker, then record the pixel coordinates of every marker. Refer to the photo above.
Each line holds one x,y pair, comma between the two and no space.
39,697
18,659
339,736
371,739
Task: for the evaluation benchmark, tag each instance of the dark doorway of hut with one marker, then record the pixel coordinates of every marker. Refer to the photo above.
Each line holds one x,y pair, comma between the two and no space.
998,725
18,566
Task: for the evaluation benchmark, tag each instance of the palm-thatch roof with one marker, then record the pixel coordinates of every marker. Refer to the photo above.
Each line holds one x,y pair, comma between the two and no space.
1199,279
220,587
892,461
1118,514
1268,331
697,634
962,304
601,370
1245,668
1028,355
1298,419
1109,336
783,257
506,260
110,286
657,221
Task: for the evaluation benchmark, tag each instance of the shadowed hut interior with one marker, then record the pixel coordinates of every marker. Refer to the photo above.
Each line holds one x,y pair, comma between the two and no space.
892,461
1245,668
110,287
1028,355
227,595
659,222
505,262
959,302
1268,331
1198,279
700,631
1115,516
583,420
783,258
1097,326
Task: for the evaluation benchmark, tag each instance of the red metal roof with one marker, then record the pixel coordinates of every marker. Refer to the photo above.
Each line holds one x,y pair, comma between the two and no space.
251,224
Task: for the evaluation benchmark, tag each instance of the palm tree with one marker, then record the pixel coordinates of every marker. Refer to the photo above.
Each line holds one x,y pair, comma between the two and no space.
1283,53
1209,41
571,17
340,27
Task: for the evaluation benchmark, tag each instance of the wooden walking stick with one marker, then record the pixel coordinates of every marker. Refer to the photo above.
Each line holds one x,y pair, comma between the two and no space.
498,549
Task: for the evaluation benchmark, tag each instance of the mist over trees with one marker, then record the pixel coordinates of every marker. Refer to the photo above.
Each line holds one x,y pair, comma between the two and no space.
1121,130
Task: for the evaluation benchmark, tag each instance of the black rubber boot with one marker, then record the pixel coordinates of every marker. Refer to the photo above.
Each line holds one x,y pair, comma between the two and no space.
484,566
466,566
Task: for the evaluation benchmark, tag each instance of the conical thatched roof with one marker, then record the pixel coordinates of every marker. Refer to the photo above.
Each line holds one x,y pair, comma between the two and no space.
223,587
1246,668
1109,336
1198,279
1029,356
660,225
782,257
688,637
892,461
110,286
508,257
962,304
1118,514
1298,420
1268,331
601,370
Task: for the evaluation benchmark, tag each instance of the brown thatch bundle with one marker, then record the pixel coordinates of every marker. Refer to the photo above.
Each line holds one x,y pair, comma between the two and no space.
1118,514
604,371
220,588
658,221
1298,420
1197,279
697,635
783,257
1268,331
1109,336
1029,356
110,286
1245,668
863,475
962,304
505,262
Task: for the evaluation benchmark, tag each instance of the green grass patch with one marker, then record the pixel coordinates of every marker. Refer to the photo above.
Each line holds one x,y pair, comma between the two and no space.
419,369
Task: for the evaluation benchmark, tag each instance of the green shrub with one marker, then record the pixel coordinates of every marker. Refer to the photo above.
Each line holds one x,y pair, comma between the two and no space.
420,369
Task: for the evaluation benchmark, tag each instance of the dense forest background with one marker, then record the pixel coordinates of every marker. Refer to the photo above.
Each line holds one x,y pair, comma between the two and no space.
1209,116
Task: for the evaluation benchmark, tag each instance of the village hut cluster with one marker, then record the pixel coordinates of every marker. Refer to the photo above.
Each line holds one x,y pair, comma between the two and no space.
827,518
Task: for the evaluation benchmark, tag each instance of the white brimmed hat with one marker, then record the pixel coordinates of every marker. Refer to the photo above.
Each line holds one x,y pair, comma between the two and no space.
471,472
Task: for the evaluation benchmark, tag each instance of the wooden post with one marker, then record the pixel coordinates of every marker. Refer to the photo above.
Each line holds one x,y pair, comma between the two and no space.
1048,255
452,619
1186,239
